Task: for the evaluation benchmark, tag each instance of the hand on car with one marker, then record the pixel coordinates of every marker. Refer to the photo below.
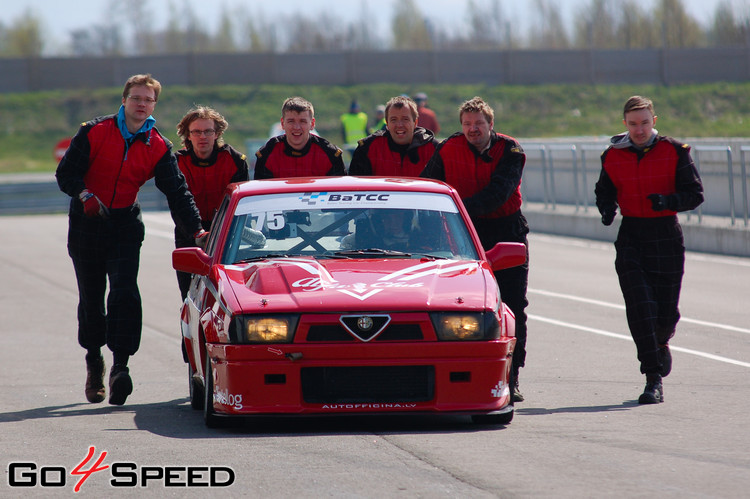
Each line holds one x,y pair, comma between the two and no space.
201,239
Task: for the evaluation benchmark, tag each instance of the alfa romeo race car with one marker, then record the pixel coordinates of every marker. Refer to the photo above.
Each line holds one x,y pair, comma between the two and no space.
346,295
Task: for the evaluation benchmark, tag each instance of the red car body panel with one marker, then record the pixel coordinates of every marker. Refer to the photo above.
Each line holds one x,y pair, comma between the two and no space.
466,377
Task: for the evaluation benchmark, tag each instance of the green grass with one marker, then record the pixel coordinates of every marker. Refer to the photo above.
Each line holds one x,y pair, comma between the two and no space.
32,123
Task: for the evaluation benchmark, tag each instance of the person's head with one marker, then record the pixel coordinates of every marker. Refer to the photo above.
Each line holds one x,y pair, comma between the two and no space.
639,118
380,112
297,119
139,98
420,98
354,107
477,120
401,119
200,129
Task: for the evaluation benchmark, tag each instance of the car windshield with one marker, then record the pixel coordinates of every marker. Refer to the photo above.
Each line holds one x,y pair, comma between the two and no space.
348,225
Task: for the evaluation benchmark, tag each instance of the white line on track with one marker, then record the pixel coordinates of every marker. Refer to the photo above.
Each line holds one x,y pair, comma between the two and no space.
618,306
618,336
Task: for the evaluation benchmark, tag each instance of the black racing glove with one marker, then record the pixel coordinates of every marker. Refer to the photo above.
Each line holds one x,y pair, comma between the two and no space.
659,202
608,216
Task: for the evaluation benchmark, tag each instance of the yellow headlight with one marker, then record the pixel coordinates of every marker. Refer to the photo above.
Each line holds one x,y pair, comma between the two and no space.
268,330
460,327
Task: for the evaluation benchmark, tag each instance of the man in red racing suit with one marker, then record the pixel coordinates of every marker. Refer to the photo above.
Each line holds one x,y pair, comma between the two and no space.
107,162
209,165
401,150
298,153
651,178
485,168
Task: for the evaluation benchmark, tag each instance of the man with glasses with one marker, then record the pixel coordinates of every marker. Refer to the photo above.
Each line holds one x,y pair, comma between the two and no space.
298,153
209,165
108,161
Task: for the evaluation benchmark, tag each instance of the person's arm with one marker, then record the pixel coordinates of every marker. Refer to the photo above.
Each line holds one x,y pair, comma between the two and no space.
170,180
606,194
74,164
688,183
261,158
504,181
337,164
240,161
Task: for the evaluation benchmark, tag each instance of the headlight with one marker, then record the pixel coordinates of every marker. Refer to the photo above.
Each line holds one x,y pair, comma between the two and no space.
266,328
466,326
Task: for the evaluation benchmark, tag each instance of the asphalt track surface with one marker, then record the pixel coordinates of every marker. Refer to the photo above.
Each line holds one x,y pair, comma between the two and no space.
580,432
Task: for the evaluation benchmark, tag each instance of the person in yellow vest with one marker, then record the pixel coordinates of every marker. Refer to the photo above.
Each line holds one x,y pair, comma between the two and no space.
354,126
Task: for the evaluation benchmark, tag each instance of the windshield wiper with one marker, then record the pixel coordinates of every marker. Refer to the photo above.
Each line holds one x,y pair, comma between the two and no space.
263,257
373,252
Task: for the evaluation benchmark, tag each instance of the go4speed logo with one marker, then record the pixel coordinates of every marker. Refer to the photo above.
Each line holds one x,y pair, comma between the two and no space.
24,474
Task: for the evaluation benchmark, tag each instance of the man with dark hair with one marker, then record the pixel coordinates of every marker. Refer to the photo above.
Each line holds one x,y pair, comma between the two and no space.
650,177
298,153
486,167
402,149
108,161
209,165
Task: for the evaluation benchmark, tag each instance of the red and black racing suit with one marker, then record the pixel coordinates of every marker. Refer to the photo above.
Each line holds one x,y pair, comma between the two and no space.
489,183
101,160
650,257
379,155
207,180
277,159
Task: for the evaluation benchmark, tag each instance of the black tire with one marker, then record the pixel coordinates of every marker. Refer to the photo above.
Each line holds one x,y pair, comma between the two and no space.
493,419
209,416
196,390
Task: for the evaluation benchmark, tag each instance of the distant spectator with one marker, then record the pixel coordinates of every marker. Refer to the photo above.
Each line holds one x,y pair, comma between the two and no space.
427,117
353,126
297,152
379,118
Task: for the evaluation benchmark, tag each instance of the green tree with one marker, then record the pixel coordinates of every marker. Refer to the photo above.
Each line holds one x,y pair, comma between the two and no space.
636,29
596,25
725,29
409,28
24,37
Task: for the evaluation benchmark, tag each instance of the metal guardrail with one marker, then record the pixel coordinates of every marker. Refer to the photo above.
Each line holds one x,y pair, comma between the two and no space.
549,170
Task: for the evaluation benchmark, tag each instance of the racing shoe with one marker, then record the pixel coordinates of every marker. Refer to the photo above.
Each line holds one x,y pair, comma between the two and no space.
120,384
666,360
654,391
517,396
95,379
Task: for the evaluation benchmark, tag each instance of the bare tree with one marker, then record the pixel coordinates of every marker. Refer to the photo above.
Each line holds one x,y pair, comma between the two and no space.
224,39
549,32
596,25
678,28
725,29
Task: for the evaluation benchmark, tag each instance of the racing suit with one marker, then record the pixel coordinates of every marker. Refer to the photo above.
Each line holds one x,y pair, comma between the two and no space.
277,159
489,183
379,155
102,161
207,180
650,257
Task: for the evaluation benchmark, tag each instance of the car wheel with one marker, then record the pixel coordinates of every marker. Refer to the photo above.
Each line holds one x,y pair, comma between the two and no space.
209,416
493,419
196,390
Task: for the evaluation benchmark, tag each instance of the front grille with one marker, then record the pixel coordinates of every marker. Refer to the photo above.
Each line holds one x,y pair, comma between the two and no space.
337,332
366,384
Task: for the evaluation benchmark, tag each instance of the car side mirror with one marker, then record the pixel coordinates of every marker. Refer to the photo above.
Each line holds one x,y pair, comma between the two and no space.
506,255
192,260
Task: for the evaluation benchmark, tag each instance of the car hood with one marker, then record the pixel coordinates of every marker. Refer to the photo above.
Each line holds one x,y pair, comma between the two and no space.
306,284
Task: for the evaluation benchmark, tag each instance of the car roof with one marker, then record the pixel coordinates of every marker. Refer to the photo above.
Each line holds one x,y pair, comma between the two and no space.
304,184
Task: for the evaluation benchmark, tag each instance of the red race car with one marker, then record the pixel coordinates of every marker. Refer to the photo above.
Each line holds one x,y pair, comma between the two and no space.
346,295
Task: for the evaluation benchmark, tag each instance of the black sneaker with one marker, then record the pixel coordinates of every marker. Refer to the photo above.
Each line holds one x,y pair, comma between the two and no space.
516,395
666,360
120,385
95,370
654,391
